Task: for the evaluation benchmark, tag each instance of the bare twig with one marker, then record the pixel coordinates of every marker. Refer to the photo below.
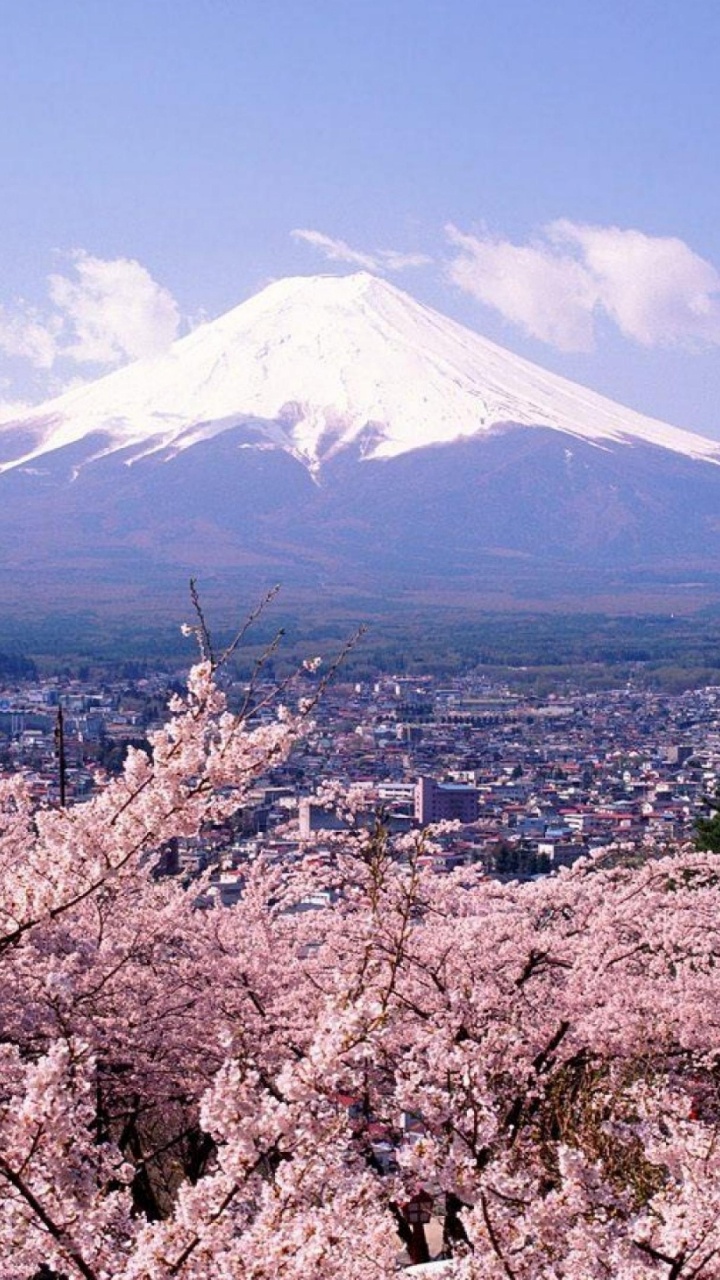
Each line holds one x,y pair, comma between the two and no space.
201,630
247,624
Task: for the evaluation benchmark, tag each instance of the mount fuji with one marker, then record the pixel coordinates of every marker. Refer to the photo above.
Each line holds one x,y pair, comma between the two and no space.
335,434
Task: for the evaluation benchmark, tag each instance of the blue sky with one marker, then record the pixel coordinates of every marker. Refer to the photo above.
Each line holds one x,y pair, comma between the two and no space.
545,171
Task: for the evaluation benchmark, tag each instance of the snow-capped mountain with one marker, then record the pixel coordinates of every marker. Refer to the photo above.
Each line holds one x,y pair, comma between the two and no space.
322,360
334,433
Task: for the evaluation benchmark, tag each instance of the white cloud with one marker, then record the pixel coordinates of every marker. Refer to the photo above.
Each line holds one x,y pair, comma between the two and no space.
10,410
395,261
335,250
113,311
107,312
380,260
25,335
654,288
546,293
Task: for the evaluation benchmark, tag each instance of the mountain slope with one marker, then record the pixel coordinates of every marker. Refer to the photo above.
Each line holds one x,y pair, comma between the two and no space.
333,434
318,363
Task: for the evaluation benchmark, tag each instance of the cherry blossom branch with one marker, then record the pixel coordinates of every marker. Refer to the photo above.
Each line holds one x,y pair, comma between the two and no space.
58,1233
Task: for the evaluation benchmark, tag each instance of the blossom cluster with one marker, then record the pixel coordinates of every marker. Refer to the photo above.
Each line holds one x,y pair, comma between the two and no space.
266,1092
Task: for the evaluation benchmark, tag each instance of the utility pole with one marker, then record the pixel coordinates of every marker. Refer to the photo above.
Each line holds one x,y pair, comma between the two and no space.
60,747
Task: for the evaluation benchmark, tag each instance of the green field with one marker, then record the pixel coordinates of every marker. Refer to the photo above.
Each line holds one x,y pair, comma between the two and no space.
538,651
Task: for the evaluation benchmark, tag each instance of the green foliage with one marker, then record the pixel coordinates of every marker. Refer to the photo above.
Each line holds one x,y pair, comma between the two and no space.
14,666
708,829
536,653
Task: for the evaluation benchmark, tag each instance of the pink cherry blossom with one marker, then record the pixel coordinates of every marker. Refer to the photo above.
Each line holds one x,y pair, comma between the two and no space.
265,1092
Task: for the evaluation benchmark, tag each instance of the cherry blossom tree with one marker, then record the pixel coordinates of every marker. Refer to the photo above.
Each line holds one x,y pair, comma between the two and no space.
271,1091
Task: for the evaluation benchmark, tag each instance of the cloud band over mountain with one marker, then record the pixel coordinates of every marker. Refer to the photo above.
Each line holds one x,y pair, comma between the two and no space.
558,287
379,260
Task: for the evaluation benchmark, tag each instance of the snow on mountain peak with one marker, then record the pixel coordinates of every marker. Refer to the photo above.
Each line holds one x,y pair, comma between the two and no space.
319,360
